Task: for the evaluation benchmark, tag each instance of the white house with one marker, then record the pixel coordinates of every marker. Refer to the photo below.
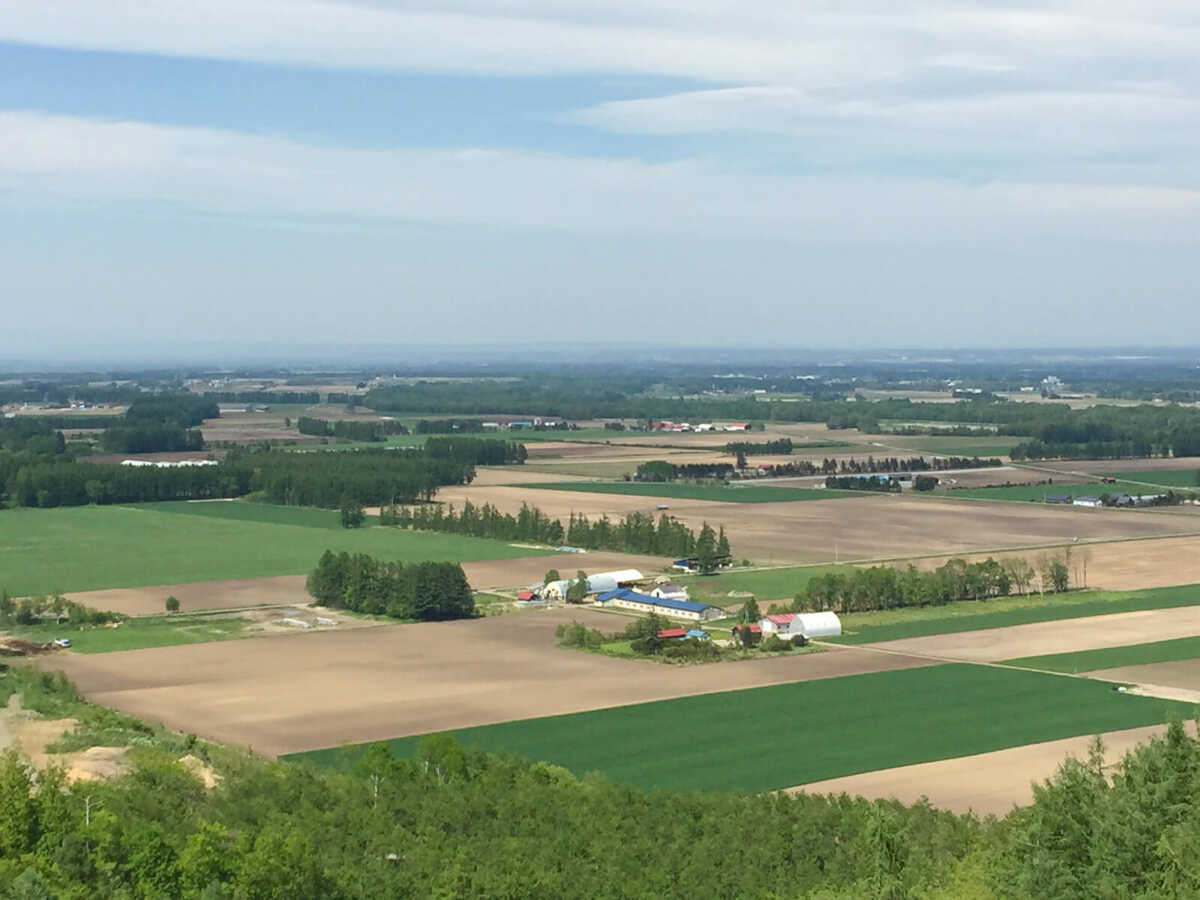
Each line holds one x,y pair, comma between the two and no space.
1092,502
669,591
809,625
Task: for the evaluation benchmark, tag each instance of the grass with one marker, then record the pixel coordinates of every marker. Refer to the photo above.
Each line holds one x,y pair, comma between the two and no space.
1177,478
717,493
1036,492
1114,657
949,445
578,468
776,737
269,513
975,615
92,547
139,633
765,584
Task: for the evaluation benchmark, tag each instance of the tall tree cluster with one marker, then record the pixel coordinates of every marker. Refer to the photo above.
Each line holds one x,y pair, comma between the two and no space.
882,587
152,439
427,591
350,429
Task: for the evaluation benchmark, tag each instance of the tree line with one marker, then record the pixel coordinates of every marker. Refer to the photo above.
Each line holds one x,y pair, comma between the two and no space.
635,533
882,587
152,439
780,447
863,483
477,451
426,591
265,398
447,426
183,410
349,429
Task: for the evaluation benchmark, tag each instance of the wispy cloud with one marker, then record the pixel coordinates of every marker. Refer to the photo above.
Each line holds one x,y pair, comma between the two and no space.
205,170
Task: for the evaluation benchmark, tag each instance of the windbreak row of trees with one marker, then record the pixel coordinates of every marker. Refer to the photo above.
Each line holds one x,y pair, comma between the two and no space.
660,470
427,591
78,484
350,430
882,587
477,451
152,439
780,447
635,533
448,426
183,410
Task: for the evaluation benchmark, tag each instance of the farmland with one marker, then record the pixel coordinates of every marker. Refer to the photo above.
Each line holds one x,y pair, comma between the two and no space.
94,547
715,493
882,720
1114,657
765,584
1176,478
1038,492
972,615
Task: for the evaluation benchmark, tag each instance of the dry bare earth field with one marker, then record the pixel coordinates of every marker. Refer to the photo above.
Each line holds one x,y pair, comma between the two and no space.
288,693
1062,636
987,783
1101,466
871,527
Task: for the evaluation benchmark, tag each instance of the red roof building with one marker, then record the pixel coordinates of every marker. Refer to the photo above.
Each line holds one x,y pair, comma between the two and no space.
670,633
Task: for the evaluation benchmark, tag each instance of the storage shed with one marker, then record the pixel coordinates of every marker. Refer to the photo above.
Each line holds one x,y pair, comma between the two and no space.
810,625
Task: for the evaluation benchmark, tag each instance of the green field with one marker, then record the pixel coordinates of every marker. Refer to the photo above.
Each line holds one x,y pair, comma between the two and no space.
1177,478
91,547
269,513
1114,657
949,445
137,634
766,585
975,615
1035,492
717,493
776,737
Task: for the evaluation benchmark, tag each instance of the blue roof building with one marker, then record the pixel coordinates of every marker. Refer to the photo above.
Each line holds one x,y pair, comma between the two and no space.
676,609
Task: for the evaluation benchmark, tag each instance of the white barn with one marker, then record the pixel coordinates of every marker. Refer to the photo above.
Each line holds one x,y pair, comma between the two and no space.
597,584
809,625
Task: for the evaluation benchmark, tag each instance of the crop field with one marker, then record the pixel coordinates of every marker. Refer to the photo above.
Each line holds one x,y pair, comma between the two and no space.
241,511
1177,478
715,493
1114,657
1037,492
976,615
775,737
860,527
307,690
948,445
93,547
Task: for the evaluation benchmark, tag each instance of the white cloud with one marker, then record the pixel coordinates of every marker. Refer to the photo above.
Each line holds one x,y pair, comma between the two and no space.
46,159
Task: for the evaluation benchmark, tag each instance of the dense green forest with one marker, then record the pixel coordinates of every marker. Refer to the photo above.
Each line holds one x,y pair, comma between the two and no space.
477,451
882,587
458,822
427,591
151,439
635,533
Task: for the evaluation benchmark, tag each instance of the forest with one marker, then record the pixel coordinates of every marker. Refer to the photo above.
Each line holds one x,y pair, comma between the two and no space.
151,439
426,591
454,821
883,587
635,533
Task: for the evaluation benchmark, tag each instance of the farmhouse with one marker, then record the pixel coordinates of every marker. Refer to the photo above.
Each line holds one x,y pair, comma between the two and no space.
670,591
624,598
809,625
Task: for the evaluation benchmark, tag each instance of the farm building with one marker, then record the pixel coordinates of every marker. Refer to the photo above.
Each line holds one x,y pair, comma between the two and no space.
1057,498
1092,502
671,634
809,625
598,583
669,591
624,598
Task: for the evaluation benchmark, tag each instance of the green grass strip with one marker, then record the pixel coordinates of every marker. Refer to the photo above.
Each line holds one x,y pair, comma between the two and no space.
1114,657
775,737
87,548
716,493
973,615
138,634
242,511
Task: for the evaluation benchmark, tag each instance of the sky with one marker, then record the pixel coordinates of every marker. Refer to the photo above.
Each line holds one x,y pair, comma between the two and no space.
857,173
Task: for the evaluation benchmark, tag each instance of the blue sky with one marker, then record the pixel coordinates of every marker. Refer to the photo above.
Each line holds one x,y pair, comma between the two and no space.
784,173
